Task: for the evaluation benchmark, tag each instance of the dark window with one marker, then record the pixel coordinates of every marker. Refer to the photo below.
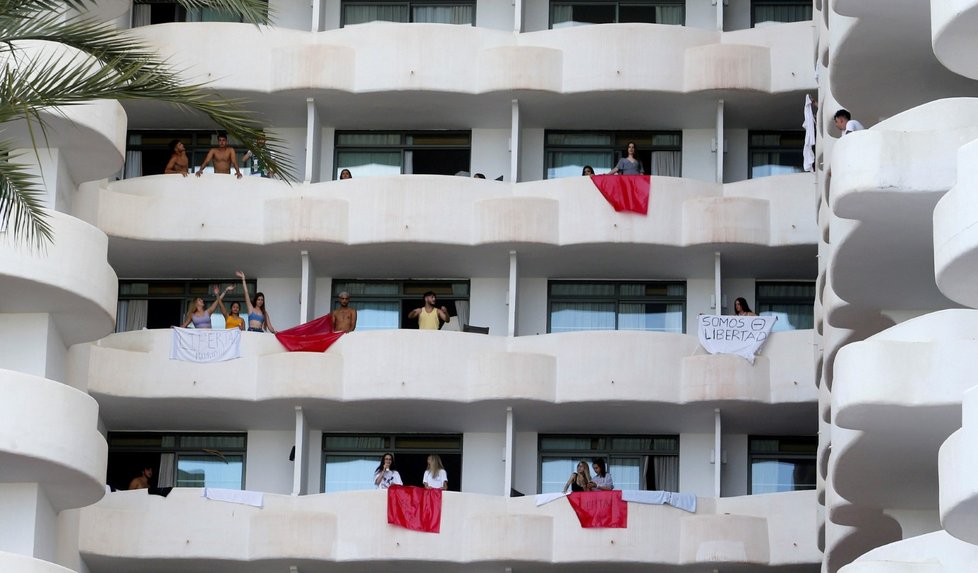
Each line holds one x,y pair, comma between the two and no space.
349,460
567,152
782,463
634,462
177,460
653,306
147,12
369,153
383,305
780,11
420,11
792,302
148,152
776,152
576,13
162,304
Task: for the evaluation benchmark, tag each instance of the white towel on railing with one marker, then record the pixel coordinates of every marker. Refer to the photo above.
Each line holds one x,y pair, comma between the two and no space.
683,501
545,498
253,498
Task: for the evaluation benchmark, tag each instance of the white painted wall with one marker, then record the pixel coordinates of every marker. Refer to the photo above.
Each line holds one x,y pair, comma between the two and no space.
282,298
495,15
332,13
733,288
488,304
294,142
701,14
531,155
524,461
67,550
291,14
328,145
490,153
735,159
27,521
916,522
315,453
733,476
483,464
532,306
20,342
324,295
269,469
699,293
698,161
536,15
736,15
57,353
695,469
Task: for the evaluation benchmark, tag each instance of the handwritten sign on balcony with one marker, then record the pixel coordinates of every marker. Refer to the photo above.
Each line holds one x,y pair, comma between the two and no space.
740,335
205,345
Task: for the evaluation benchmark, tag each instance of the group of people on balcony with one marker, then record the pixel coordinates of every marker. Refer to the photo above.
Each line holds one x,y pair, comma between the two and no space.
223,156
258,319
582,480
435,476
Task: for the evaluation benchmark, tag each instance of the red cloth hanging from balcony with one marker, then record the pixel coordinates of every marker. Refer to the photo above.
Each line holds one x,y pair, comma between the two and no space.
414,508
599,508
314,336
625,192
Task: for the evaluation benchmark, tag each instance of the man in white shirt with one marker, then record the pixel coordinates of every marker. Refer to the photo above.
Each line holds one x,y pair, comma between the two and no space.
845,123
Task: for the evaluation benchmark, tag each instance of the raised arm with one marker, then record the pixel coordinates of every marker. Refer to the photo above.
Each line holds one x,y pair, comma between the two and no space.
207,159
414,313
218,301
443,314
244,285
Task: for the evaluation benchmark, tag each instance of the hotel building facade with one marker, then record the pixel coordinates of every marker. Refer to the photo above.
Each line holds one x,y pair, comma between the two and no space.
573,331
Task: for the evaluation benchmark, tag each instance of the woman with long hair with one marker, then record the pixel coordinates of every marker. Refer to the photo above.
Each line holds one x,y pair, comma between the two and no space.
741,308
579,480
233,319
200,316
629,165
385,475
602,479
435,477
588,170
258,319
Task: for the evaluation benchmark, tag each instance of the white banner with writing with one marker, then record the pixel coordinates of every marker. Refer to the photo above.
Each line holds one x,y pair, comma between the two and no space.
740,335
205,344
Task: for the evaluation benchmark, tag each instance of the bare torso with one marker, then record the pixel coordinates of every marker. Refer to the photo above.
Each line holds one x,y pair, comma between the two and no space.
222,159
344,319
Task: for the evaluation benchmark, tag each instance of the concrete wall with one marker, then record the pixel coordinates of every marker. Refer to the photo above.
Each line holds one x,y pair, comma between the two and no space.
282,298
269,468
531,165
488,304
532,306
496,15
695,469
490,153
525,461
735,159
20,342
483,462
291,14
698,161
27,521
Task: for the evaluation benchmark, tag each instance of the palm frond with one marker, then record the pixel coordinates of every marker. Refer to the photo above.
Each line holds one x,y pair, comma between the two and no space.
21,201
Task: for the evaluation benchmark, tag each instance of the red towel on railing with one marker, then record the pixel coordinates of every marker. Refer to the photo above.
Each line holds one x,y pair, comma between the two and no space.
600,508
625,192
414,508
314,336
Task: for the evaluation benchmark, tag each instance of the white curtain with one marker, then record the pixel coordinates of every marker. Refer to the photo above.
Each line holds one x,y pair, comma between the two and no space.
134,159
141,14
667,163
795,13
131,315
443,14
571,316
348,473
669,15
362,13
561,14
666,473
164,477
462,310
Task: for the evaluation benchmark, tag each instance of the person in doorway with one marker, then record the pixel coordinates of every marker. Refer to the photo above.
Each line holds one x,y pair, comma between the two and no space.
429,316
435,477
344,317
142,480
629,165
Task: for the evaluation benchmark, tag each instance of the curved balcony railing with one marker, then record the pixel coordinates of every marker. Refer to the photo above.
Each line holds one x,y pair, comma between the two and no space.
767,212
129,528
383,367
956,232
27,564
70,278
390,57
953,23
49,435
935,552
959,486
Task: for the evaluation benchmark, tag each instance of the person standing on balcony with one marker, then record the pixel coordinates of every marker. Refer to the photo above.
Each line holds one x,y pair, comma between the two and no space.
429,317
345,174
258,319
579,480
142,480
385,475
629,165
200,316
587,171
233,320
602,479
435,477
741,308
224,158
845,123
179,163
344,317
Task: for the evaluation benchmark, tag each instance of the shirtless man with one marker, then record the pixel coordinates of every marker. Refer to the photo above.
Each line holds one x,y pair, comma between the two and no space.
179,163
429,317
345,317
224,158
142,480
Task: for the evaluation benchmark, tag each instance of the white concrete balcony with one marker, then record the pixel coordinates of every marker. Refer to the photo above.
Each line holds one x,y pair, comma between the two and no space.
405,66
953,23
902,390
349,531
959,484
70,279
955,232
49,435
16,563
374,373
890,176
935,552
386,218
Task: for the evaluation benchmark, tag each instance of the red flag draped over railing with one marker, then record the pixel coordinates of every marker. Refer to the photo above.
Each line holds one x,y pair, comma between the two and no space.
625,192
314,336
600,508
414,508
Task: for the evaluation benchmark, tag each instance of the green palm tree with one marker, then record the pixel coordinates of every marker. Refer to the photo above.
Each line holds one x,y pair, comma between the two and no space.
101,63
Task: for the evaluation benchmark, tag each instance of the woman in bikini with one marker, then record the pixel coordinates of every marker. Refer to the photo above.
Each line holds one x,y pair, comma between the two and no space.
200,316
258,319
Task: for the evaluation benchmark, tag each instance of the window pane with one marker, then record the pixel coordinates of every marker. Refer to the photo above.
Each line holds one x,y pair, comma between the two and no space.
554,473
562,443
210,471
363,139
650,317
362,13
775,475
582,289
636,13
212,442
349,473
356,443
626,472
443,14
571,163
562,14
571,316
358,288
429,442
590,139
369,163
790,316
377,315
